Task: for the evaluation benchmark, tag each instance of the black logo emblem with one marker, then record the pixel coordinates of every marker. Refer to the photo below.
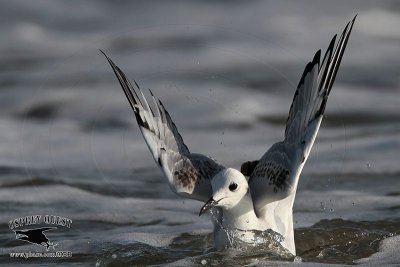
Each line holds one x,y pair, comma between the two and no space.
35,236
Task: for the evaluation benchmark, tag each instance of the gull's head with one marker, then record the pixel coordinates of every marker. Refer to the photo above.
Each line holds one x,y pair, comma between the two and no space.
229,187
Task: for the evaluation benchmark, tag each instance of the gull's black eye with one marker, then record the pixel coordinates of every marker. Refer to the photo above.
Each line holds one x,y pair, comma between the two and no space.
233,187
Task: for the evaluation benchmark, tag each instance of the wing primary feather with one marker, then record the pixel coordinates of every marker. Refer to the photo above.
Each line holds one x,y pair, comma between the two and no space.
172,125
158,115
334,65
167,117
127,87
325,62
155,104
339,60
149,113
151,109
130,98
163,116
334,60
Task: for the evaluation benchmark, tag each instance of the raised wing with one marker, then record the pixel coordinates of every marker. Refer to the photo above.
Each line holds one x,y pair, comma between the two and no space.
275,175
312,93
189,175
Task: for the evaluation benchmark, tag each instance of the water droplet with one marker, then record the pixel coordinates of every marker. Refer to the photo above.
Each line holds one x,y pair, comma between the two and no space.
247,221
114,256
198,62
368,165
203,262
321,254
331,210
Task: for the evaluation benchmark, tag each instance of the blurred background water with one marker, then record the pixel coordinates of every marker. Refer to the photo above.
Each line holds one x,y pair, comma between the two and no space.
226,71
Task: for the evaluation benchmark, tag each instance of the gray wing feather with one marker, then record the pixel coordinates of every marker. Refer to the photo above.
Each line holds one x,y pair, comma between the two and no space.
189,175
276,174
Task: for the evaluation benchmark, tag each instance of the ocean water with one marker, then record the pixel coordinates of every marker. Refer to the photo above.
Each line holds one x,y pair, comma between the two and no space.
226,71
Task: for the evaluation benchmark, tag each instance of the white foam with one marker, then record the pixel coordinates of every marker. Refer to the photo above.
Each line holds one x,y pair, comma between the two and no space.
388,254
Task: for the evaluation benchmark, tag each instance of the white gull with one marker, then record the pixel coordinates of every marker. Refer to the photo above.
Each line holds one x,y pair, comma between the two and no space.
261,195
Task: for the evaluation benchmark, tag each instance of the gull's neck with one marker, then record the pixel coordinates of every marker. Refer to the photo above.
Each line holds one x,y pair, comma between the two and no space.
242,216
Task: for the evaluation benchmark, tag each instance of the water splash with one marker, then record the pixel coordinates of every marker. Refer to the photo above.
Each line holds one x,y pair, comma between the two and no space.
267,240
297,259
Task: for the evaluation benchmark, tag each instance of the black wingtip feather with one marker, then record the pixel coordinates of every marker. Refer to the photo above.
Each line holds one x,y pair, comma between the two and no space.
339,52
103,52
127,88
327,58
346,35
162,111
151,93
317,57
137,85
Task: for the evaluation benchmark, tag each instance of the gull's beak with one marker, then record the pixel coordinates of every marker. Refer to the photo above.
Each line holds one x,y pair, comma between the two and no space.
210,203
